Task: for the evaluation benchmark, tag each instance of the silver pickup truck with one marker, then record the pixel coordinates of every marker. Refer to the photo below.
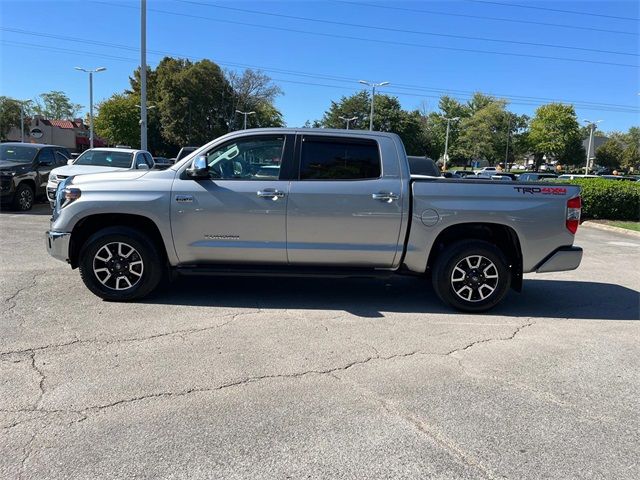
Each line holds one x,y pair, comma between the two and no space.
311,202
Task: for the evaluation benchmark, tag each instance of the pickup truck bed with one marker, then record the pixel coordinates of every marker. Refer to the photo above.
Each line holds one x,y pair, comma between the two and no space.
312,202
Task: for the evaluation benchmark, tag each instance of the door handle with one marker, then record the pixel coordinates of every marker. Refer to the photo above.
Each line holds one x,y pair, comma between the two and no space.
386,197
270,193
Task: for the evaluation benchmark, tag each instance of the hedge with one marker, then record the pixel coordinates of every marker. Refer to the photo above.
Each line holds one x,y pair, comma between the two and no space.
609,199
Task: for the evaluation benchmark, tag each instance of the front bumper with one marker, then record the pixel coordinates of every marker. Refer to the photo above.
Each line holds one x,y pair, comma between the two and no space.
563,259
58,245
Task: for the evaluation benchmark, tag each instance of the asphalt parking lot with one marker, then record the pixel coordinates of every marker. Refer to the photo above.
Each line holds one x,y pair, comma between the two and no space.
290,378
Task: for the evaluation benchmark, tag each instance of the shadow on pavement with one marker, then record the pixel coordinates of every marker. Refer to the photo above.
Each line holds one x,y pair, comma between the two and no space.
370,297
38,209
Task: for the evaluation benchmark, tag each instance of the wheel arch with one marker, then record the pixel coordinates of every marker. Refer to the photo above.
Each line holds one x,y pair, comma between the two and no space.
502,236
89,225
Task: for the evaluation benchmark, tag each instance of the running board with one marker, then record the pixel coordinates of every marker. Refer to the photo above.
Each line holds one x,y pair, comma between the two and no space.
282,271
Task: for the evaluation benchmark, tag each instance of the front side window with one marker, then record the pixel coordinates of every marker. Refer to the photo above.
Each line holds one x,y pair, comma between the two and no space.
61,159
254,158
101,158
336,159
46,156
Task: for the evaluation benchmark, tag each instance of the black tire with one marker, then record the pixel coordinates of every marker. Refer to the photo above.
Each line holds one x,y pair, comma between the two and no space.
469,289
150,273
23,198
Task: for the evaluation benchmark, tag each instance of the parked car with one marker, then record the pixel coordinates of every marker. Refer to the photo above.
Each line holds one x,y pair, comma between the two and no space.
487,170
465,173
162,163
24,169
339,203
536,177
99,160
619,178
572,176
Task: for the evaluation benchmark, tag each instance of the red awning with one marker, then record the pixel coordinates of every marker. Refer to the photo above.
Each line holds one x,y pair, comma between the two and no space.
82,141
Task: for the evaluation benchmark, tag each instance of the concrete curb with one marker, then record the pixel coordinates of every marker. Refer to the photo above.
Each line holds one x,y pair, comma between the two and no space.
611,228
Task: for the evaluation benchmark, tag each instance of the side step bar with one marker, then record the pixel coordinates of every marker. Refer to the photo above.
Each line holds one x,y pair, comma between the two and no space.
281,271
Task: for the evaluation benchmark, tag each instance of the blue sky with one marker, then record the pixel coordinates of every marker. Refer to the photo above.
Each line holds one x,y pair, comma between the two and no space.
413,45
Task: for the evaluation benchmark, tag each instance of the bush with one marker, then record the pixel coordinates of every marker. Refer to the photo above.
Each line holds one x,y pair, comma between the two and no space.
609,199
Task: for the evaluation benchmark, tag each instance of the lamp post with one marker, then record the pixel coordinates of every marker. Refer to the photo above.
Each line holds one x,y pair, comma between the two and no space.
245,117
22,102
446,143
348,120
143,74
149,107
91,72
592,127
373,97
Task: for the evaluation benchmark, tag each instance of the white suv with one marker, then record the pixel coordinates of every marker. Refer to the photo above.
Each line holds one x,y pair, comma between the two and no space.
99,160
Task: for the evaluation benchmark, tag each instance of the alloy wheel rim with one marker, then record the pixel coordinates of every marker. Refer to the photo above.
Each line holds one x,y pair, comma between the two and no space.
474,278
25,199
118,266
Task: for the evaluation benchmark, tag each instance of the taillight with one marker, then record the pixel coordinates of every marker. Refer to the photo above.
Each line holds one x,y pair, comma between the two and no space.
574,206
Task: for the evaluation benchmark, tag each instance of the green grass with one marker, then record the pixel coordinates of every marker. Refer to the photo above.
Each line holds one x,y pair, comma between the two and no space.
635,226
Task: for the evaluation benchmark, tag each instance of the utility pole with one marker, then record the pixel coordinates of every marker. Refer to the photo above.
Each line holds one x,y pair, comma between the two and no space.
348,120
91,72
245,117
373,97
143,74
446,144
592,127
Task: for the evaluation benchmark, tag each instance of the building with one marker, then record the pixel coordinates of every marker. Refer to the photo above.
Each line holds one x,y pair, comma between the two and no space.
72,134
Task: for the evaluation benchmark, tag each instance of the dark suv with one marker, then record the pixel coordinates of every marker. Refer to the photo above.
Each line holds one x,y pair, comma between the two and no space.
24,171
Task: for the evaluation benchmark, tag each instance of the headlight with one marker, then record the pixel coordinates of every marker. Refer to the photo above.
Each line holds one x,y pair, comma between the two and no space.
53,177
7,173
65,195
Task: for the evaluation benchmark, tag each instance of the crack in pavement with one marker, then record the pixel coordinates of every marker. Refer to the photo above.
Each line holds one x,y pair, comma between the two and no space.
12,298
486,340
248,380
78,341
42,379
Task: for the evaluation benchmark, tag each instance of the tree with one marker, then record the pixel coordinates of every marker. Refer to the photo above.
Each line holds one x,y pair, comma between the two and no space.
631,154
117,120
388,117
56,105
253,91
9,115
555,132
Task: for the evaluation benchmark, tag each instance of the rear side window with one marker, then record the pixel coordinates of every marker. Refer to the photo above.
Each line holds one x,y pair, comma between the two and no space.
339,159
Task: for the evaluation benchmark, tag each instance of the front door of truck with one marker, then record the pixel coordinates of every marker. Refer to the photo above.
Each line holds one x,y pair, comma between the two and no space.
238,214
343,209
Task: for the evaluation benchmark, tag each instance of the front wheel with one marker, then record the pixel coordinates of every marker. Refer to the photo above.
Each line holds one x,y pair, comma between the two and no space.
472,276
120,264
24,198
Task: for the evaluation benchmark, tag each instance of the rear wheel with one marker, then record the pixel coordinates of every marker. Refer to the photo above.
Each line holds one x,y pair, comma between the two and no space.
120,264
24,197
472,276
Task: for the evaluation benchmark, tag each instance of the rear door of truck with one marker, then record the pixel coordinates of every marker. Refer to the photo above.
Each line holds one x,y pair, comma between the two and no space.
345,204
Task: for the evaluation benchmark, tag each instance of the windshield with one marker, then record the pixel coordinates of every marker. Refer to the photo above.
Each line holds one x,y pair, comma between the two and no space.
101,158
17,153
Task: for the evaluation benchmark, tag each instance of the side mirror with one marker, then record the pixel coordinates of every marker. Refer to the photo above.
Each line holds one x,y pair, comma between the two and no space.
143,166
70,161
44,163
199,168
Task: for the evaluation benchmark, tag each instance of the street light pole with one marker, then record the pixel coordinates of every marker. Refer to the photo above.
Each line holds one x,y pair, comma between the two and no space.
592,127
373,97
143,74
245,117
446,143
91,72
348,120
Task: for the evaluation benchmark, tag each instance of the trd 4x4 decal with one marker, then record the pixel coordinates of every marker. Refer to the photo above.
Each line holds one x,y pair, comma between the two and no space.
542,190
